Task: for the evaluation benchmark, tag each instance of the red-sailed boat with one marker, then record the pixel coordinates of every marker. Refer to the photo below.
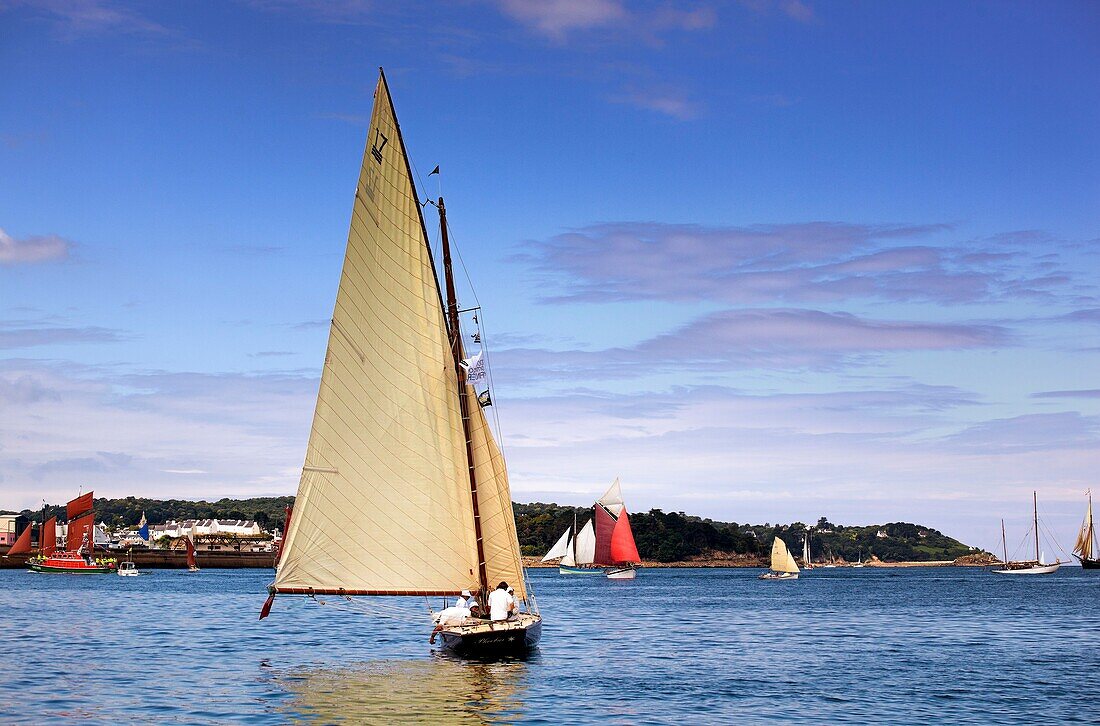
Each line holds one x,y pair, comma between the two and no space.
79,554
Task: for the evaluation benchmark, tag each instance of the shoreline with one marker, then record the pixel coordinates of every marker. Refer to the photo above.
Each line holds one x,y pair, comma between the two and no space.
750,562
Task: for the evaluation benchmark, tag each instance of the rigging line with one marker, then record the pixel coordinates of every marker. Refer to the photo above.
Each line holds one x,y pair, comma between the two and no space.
1051,539
501,450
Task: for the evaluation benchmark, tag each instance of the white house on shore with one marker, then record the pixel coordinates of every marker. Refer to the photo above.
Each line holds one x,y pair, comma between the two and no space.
195,527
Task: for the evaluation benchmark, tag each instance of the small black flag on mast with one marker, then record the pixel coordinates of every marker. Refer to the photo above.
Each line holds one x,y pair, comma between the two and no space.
434,171
483,399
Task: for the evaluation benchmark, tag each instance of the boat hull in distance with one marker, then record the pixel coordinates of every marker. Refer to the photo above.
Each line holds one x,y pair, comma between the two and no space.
71,563
779,576
1088,564
622,573
567,570
1034,570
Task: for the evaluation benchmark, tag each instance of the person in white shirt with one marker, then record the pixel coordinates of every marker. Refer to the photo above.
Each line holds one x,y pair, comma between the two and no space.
454,616
500,603
463,600
514,607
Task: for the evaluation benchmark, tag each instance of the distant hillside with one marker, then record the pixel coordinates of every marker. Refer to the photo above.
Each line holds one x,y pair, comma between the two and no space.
672,536
268,511
661,536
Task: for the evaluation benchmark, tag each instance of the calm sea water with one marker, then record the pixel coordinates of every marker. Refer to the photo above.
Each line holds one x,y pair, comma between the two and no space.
899,646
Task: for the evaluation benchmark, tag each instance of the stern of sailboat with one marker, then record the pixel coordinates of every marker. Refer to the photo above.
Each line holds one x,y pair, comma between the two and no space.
494,637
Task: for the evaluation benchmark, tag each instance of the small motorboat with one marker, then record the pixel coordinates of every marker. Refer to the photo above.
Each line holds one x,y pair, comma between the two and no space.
128,569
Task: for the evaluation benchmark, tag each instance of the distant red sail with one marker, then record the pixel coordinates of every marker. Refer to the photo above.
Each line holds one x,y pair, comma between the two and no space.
47,542
79,531
22,544
605,525
79,506
190,552
623,549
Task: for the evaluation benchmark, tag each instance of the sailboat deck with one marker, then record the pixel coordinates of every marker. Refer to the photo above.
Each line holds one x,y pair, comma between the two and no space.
522,621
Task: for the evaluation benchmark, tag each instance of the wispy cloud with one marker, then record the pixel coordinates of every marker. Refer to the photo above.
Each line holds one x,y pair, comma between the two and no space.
783,339
798,262
349,12
32,250
85,17
172,434
271,354
17,335
557,19
1082,393
669,102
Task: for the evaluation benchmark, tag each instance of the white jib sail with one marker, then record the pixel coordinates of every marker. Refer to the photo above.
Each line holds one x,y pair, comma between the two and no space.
586,544
567,559
782,561
384,500
612,499
560,548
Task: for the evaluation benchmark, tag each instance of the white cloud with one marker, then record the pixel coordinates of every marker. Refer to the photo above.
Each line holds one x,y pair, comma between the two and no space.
34,249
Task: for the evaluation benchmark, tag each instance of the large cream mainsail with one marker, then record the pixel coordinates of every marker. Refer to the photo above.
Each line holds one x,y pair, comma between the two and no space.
782,561
384,503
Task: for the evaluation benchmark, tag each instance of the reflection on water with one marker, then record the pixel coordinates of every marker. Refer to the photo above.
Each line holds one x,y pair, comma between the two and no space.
441,690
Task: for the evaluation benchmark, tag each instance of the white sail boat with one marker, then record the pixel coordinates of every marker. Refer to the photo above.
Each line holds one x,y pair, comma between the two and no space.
1035,567
859,561
576,552
403,491
806,564
783,566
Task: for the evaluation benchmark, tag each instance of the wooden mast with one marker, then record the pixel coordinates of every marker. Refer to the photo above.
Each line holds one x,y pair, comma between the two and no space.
463,403
1004,542
1035,513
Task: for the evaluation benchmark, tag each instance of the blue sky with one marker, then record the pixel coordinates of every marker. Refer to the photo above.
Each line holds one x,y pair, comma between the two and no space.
766,261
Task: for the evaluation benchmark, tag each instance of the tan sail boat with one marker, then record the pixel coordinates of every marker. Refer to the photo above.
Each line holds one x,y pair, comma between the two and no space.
1085,548
403,491
783,566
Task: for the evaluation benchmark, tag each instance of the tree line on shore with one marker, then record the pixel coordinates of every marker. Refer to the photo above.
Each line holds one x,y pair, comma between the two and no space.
661,536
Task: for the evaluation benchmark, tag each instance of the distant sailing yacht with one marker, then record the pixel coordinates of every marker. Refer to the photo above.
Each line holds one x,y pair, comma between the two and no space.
606,549
806,564
403,490
1086,545
614,539
577,552
78,556
783,566
1035,567
859,561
